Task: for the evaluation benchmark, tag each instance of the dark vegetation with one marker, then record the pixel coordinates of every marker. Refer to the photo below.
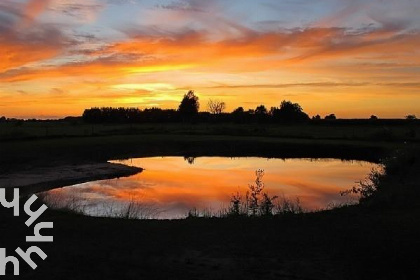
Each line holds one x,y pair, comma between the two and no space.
258,203
188,111
286,113
394,185
255,203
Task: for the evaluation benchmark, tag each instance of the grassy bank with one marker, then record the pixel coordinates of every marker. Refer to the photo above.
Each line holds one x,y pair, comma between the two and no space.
335,245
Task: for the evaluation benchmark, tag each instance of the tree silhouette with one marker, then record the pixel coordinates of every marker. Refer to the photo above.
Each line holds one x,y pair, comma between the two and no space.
261,113
239,110
289,111
129,115
93,115
216,106
189,105
331,117
238,115
261,110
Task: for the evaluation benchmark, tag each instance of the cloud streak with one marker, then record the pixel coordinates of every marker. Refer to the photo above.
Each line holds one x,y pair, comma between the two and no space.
84,11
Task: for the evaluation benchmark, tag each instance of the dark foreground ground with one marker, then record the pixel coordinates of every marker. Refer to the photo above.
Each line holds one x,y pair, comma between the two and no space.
341,244
378,240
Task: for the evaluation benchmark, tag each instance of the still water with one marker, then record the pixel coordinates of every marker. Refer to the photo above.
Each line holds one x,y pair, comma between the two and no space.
169,187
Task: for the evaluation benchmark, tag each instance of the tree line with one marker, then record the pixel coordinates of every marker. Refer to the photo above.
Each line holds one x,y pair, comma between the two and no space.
188,111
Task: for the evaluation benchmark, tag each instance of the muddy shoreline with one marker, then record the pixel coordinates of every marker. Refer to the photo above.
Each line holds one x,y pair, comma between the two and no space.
39,179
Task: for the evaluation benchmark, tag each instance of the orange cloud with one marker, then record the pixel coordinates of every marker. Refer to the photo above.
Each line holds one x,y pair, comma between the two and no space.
32,9
16,54
23,41
193,49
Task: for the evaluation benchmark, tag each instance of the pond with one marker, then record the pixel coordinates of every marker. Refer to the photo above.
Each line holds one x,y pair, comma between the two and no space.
169,187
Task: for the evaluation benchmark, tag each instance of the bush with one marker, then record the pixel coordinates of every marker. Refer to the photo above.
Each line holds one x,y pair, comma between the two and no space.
393,184
259,203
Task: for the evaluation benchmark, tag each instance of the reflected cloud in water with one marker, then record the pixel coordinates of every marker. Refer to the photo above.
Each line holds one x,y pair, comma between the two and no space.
175,185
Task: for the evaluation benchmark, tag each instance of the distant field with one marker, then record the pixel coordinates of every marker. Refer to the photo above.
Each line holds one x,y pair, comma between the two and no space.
356,130
29,143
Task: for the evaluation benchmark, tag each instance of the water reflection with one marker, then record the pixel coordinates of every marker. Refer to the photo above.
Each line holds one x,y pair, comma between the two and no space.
190,160
172,186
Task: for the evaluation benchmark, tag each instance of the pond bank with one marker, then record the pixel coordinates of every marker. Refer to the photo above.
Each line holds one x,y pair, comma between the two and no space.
21,155
45,178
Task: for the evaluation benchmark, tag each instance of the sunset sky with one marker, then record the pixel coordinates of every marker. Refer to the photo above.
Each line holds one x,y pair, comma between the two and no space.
352,58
